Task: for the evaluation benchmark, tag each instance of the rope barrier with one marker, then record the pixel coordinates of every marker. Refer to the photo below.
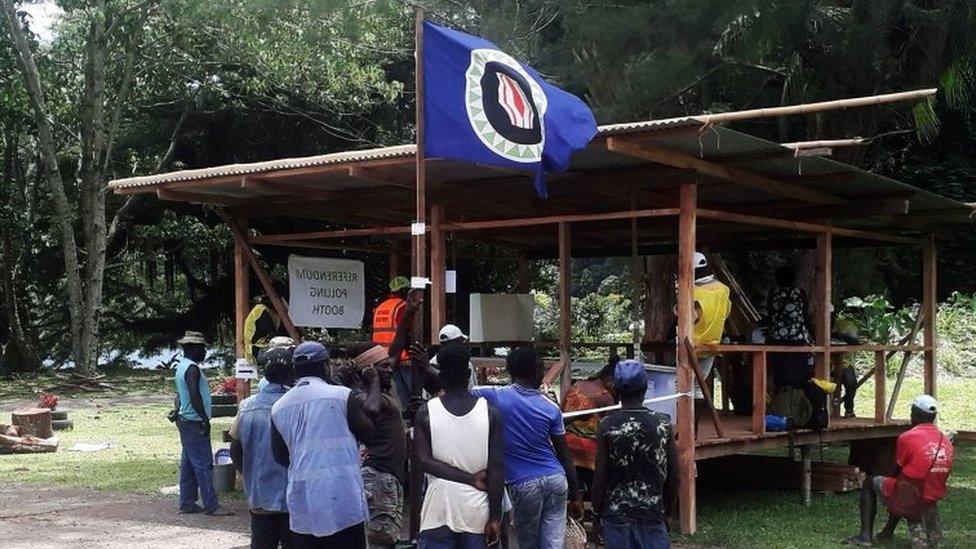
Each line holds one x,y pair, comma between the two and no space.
577,413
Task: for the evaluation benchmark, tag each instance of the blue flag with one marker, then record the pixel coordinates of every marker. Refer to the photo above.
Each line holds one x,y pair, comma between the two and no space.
483,106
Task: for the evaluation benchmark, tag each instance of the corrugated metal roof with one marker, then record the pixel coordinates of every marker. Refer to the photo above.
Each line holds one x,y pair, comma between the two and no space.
345,157
350,157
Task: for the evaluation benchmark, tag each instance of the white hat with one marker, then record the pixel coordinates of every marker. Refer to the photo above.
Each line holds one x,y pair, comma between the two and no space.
926,403
281,341
700,260
451,332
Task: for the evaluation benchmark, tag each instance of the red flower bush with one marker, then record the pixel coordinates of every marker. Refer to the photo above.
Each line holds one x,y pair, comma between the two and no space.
49,400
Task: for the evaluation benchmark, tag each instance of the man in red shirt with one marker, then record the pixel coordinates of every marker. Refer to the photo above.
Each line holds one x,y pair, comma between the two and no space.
924,456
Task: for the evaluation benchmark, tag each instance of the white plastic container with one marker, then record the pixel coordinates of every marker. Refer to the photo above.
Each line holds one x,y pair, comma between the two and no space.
662,381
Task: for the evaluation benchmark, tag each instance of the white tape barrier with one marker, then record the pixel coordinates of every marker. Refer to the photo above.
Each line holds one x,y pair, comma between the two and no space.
571,415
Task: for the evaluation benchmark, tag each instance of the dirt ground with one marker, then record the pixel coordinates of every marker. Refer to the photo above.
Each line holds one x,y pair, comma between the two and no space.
41,517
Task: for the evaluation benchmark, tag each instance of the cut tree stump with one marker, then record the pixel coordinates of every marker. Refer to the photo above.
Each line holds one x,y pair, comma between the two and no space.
26,445
35,421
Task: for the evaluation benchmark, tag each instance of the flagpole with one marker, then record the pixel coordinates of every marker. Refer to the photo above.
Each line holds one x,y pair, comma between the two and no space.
419,247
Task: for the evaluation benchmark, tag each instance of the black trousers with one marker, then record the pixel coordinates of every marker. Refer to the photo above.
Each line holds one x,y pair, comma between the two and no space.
353,537
269,531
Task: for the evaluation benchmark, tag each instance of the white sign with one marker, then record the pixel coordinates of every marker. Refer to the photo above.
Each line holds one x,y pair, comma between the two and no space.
244,370
450,282
325,292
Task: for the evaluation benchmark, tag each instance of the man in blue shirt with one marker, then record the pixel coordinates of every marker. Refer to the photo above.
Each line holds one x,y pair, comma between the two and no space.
539,470
265,480
193,421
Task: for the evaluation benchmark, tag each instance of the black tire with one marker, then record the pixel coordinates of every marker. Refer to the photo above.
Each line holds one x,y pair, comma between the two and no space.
223,399
59,415
224,410
62,424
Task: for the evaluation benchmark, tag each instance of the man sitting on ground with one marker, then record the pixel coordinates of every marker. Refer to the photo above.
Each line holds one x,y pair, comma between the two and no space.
314,431
265,480
460,446
924,456
386,453
539,470
635,482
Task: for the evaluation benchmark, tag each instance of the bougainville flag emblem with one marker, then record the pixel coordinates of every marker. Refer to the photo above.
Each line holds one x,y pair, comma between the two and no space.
483,106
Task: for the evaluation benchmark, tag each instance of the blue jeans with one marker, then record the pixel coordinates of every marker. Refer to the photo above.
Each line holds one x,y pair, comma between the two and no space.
445,538
196,466
635,535
539,510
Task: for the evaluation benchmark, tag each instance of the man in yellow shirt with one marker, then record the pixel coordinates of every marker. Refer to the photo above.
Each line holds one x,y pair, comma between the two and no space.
712,307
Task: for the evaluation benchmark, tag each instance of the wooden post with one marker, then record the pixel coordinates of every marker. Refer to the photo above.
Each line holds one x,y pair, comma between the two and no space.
824,283
565,314
929,309
687,222
438,273
880,397
759,392
805,483
242,304
419,265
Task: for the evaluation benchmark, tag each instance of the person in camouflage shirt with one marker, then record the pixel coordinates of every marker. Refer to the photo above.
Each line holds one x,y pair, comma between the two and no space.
635,482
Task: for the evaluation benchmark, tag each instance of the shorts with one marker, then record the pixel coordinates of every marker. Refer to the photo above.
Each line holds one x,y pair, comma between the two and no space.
384,496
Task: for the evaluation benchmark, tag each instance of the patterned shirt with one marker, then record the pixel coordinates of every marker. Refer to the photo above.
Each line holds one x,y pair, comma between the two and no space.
636,442
786,315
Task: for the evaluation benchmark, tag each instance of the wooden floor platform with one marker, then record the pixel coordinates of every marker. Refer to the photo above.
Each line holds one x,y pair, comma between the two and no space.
739,437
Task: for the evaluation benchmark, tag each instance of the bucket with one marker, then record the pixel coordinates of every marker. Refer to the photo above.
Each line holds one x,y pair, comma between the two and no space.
223,478
662,381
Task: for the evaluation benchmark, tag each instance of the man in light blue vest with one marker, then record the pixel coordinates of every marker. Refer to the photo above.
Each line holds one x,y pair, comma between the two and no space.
315,428
193,421
265,480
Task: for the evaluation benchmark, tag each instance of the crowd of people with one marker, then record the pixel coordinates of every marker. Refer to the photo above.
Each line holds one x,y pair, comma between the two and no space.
326,444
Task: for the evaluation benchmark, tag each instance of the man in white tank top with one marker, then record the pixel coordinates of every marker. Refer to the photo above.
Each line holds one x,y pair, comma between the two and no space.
459,443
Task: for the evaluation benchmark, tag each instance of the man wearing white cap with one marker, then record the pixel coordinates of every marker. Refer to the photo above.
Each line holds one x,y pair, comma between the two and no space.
924,457
712,307
452,335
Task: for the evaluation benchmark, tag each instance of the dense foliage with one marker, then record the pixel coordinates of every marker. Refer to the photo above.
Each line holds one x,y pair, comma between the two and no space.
205,83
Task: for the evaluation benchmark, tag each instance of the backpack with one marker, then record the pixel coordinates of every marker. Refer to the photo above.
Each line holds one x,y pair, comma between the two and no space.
791,403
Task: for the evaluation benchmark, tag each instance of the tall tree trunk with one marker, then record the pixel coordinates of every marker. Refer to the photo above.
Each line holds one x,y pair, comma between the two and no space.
660,299
65,215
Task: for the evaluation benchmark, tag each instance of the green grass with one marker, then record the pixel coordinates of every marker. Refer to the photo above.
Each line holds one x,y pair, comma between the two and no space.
123,381
144,456
754,518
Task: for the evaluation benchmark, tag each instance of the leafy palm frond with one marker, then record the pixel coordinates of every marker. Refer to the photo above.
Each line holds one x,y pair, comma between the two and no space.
927,124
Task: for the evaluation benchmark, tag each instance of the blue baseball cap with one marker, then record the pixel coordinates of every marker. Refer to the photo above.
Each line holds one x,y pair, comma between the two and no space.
310,352
629,375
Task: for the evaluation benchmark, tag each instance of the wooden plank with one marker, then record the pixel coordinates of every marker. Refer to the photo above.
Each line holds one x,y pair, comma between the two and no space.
371,174
705,388
706,167
557,219
905,359
324,235
929,309
750,348
820,106
242,304
198,198
565,314
759,392
880,394
823,280
286,188
438,272
873,235
746,219
687,222
269,290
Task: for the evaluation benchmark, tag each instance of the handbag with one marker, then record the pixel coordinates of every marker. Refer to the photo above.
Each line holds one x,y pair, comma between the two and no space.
907,494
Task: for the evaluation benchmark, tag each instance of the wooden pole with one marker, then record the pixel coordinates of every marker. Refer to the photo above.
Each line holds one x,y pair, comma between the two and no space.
687,221
759,392
824,287
929,309
880,396
277,303
419,243
438,272
819,106
565,314
242,303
